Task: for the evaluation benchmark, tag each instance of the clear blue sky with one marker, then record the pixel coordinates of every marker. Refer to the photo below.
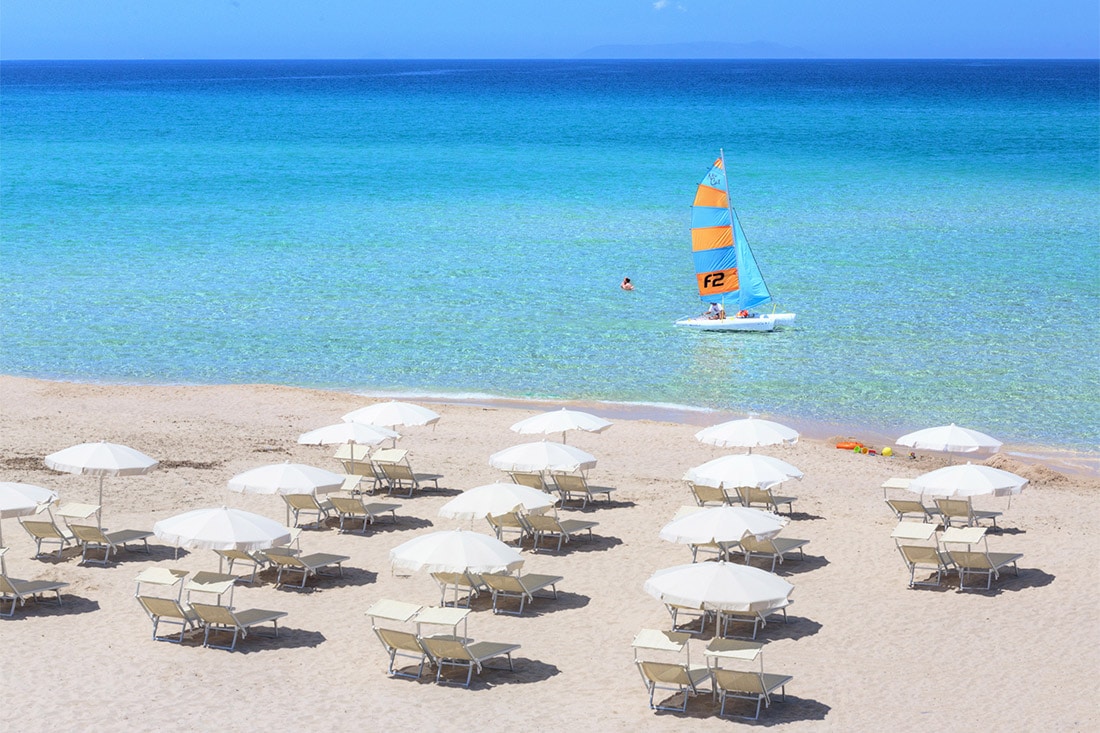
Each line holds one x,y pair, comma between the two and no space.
370,29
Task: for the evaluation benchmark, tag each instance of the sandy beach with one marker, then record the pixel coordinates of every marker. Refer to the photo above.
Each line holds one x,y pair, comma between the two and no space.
865,651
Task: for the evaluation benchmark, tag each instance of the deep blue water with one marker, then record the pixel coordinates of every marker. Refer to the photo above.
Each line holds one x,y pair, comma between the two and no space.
457,227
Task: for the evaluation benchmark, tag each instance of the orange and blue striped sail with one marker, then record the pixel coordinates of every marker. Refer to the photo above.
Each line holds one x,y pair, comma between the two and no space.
725,269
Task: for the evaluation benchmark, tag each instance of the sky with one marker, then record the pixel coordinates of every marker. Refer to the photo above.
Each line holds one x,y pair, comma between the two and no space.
546,29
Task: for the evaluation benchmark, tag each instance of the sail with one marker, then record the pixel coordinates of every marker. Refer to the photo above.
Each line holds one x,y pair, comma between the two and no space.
725,269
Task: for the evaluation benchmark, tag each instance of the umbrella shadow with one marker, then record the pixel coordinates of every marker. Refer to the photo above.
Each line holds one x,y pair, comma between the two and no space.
794,565
595,506
71,605
259,641
496,674
349,576
381,526
595,543
783,709
543,605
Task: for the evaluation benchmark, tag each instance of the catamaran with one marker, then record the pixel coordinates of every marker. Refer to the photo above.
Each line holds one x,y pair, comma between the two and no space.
725,270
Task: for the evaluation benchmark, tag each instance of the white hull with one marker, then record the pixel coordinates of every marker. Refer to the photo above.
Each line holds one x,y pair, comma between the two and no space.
764,322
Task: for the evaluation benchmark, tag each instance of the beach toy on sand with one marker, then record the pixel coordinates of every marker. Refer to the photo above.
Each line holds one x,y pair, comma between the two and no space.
887,451
849,444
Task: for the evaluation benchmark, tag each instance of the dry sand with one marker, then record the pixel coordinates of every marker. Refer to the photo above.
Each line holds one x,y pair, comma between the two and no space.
866,652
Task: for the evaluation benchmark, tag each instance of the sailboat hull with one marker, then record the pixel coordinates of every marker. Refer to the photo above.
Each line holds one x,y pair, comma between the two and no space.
764,322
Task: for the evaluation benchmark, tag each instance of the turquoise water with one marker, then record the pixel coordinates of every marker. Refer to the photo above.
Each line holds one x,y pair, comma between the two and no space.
462,227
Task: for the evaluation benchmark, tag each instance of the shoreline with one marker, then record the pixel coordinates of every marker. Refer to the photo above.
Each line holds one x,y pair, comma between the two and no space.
1074,463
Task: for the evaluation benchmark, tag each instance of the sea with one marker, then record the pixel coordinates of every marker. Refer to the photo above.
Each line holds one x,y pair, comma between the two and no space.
459,229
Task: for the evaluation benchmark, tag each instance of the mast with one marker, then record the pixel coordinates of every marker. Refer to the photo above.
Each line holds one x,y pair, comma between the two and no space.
741,248
733,232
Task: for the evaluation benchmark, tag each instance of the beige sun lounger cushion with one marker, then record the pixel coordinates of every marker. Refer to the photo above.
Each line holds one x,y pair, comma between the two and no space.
533,479
977,562
765,497
523,587
542,525
49,533
509,522
308,505
758,618
752,686
93,538
911,507
710,495
354,509
18,592
458,652
775,548
571,485
678,678
402,644
169,611
307,565
962,511
465,584
220,618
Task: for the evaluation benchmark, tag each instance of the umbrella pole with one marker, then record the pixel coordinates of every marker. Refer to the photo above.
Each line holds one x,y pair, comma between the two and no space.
99,509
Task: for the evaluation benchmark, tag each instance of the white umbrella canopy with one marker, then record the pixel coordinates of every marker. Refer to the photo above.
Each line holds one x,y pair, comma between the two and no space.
101,459
455,551
968,479
719,586
747,433
542,456
496,499
286,478
561,421
393,413
762,472
951,439
348,432
723,524
222,529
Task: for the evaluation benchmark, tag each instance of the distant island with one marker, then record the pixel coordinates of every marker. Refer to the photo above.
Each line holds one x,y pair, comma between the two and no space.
700,50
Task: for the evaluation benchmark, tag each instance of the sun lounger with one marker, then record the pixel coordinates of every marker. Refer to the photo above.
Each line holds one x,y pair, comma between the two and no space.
976,559
353,509
695,614
751,686
522,587
169,611
542,525
765,497
709,495
671,676
758,618
534,479
466,584
509,522
398,472
306,504
403,644
92,537
219,618
459,652
921,557
911,507
46,531
571,485
254,560
775,548
357,464
962,511
307,565
18,592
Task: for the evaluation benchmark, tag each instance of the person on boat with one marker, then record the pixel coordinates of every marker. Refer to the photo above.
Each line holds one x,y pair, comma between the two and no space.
742,314
716,312
626,284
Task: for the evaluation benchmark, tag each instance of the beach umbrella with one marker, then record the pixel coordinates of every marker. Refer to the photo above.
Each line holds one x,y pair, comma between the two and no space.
560,421
455,551
949,438
222,529
20,500
101,459
723,524
542,456
348,432
496,499
393,413
747,433
719,586
754,470
965,480
286,478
